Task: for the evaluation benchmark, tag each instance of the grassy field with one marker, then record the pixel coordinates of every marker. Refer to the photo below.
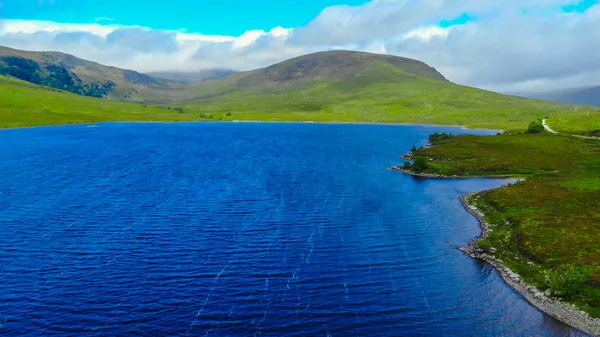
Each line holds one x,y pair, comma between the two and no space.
546,227
586,122
24,104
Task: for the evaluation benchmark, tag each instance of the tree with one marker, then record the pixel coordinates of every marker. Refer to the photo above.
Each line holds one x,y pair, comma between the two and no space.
439,136
420,164
536,126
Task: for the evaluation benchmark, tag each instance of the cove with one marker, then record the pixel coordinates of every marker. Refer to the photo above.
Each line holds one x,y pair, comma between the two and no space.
241,229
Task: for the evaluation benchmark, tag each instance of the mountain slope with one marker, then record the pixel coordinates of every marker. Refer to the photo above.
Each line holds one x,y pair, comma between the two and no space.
333,65
67,72
335,86
314,68
587,96
327,87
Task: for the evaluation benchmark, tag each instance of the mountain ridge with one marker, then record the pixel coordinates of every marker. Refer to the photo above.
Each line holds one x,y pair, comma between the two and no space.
334,86
67,72
88,78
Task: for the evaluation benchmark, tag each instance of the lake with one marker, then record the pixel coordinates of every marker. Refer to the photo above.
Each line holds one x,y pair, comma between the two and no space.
241,229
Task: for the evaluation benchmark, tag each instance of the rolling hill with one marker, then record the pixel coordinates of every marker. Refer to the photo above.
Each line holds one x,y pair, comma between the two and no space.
69,73
340,86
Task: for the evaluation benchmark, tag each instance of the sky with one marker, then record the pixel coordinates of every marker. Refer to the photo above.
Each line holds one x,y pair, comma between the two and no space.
502,45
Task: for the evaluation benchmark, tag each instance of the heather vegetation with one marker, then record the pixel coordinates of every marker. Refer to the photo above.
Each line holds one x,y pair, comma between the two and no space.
545,227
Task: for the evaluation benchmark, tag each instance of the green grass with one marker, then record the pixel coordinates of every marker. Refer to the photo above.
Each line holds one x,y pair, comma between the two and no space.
550,219
24,104
383,94
577,121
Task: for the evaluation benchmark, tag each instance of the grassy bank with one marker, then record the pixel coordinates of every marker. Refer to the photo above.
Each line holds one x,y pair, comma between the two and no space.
546,227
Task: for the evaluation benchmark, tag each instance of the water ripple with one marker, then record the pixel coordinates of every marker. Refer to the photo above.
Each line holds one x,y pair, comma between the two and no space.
240,230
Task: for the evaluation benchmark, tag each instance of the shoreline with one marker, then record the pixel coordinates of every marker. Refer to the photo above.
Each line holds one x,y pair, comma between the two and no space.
562,311
441,176
558,309
462,127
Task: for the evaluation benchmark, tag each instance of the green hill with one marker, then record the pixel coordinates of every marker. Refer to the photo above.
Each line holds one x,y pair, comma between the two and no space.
69,73
333,86
360,87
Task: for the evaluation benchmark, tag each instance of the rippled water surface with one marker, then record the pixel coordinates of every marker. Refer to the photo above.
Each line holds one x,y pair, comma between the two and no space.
240,229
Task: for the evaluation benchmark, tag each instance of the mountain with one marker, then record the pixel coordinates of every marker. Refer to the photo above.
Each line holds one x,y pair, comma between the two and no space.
586,96
69,73
340,86
349,68
334,65
191,77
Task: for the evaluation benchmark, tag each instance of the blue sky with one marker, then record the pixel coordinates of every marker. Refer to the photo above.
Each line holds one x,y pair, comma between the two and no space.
215,17
503,45
211,17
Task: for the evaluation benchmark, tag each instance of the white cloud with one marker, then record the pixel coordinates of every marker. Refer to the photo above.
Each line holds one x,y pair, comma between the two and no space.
503,49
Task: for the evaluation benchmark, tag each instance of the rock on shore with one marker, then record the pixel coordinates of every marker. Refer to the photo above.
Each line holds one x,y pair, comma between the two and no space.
562,311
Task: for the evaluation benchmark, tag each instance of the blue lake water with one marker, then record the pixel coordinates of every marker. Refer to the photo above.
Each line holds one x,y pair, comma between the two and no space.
241,229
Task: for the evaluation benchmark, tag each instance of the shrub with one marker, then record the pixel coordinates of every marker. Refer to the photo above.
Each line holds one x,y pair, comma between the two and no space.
564,282
535,127
419,165
228,114
439,136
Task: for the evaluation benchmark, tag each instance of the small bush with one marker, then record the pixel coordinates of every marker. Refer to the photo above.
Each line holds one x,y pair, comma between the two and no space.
419,165
564,282
439,136
228,114
535,127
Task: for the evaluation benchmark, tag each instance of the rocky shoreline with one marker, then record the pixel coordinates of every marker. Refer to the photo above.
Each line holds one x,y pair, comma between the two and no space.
441,176
542,300
562,311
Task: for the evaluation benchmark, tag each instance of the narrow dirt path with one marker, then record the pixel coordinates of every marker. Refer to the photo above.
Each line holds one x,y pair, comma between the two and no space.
549,129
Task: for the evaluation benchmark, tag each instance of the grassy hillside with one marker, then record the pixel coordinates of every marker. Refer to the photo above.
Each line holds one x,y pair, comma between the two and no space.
338,86
69,73
580,120
379,93
546,228
25,104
